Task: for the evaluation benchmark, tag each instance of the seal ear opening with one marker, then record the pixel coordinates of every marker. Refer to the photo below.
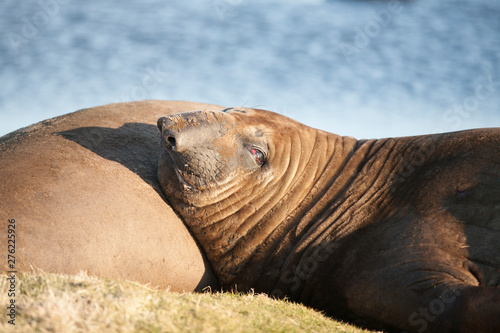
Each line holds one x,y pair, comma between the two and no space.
160,123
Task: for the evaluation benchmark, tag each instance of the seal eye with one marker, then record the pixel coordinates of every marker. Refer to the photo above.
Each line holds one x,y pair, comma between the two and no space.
259,156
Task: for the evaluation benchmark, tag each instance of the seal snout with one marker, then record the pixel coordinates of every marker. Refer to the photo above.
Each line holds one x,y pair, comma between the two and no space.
185,133
166,127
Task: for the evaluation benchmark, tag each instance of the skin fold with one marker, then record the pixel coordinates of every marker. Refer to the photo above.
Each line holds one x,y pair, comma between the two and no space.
401,234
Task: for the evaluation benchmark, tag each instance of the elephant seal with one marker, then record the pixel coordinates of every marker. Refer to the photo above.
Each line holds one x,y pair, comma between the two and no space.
83,194
395,234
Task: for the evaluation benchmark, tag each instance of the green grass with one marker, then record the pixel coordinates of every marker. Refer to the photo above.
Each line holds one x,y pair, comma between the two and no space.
60,303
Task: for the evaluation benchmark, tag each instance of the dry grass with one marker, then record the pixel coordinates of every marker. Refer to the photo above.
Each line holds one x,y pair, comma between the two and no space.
59,303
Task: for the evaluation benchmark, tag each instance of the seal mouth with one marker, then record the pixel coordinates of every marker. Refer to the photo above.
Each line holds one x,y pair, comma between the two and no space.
177,165
182,179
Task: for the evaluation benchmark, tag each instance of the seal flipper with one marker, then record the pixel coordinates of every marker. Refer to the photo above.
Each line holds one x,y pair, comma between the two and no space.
477,310
415,276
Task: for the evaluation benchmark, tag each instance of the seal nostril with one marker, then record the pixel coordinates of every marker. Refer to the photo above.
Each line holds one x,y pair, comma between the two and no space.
171,141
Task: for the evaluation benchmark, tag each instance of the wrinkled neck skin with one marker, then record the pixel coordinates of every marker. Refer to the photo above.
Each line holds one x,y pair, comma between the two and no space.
257,227
264,221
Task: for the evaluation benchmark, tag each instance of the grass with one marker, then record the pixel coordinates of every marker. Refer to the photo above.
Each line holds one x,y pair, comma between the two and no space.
60,303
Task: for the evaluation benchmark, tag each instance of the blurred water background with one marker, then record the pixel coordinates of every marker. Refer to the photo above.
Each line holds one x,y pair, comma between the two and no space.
353,67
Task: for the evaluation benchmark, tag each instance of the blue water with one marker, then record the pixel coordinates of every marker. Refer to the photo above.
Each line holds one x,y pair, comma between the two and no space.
360,68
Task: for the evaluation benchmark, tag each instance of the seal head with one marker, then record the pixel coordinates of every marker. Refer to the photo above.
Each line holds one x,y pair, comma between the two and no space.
207,154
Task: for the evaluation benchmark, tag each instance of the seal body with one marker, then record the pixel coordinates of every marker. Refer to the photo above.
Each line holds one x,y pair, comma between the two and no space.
83,192
397,233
